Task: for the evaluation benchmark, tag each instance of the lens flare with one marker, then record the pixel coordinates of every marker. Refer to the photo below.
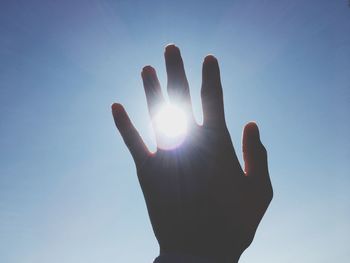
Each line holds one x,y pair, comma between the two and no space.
170,125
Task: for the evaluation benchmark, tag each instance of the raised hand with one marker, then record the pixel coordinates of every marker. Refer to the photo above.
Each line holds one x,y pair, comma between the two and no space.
199,199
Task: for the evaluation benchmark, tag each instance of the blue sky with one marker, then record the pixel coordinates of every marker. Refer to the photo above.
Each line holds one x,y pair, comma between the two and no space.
68,188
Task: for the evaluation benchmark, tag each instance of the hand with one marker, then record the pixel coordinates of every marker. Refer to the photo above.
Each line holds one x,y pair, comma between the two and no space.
199,199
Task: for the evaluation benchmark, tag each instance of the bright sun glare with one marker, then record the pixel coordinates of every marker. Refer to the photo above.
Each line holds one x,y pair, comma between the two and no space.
171,126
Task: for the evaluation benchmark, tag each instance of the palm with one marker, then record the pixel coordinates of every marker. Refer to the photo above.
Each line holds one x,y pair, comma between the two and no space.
199,199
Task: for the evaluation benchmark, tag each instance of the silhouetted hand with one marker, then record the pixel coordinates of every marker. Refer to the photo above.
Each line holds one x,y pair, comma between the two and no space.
199,199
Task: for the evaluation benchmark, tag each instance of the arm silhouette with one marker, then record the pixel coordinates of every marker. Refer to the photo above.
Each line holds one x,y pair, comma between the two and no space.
202,205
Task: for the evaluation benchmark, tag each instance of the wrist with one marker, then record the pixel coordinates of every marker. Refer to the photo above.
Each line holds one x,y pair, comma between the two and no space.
173,257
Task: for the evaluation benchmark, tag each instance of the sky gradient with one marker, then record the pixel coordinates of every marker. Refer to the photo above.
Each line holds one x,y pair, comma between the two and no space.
68,187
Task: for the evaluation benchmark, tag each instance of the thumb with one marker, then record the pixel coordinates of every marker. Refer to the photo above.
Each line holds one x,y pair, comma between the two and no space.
254,153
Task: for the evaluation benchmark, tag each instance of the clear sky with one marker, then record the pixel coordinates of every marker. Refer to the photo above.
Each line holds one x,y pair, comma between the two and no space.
68,188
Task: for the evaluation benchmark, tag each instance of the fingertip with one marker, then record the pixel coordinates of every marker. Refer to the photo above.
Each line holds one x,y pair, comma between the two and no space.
147,70
252,130
252,125
211,68
251,137
116,107
210,59
171,49
170,46
119,113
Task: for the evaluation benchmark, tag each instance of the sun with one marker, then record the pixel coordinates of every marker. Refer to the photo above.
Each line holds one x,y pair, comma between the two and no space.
170,125
171,121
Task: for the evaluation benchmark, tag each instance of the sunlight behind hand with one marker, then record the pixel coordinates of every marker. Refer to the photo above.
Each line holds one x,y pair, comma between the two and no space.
170,125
